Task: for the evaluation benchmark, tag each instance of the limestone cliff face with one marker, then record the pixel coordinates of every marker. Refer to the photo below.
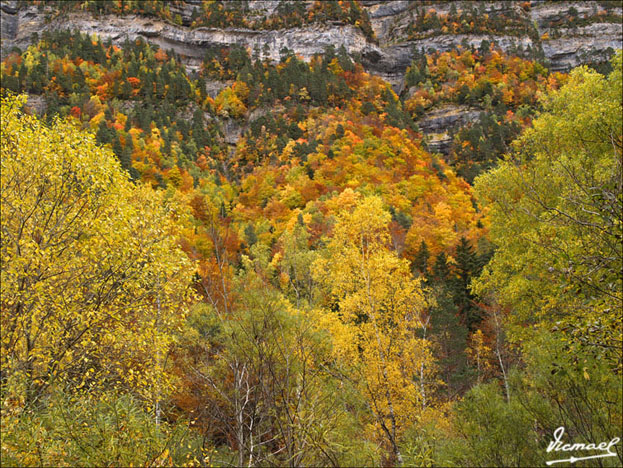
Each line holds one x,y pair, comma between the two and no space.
19,24
439,124
563,46
565,34
545,29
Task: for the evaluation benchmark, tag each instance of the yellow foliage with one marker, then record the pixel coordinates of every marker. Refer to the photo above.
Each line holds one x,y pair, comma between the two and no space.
380,315
92,276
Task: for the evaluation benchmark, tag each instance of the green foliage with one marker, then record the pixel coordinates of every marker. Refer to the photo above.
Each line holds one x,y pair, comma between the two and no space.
555,207
70,70
112,429
264,370
487,139
491,432
556,388
296,264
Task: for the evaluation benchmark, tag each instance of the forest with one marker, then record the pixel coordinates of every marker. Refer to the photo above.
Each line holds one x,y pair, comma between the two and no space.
327,291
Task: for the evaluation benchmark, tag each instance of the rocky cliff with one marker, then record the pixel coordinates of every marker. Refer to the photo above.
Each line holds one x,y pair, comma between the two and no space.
567,33
561,34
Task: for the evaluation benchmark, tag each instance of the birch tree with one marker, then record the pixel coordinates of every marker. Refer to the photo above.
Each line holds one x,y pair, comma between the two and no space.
379,322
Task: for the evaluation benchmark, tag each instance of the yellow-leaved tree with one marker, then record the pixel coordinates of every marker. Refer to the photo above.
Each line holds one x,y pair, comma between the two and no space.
380,326
555,210
93,282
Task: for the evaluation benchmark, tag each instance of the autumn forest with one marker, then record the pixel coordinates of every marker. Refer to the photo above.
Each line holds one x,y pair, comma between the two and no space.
328,290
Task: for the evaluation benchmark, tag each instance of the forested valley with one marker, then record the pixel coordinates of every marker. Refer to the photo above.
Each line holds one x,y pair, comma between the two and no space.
330,290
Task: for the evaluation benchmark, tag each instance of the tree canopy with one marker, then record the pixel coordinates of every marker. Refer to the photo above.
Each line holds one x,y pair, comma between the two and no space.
93,281
555,209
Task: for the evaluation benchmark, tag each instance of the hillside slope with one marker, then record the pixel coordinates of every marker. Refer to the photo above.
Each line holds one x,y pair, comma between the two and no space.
564,34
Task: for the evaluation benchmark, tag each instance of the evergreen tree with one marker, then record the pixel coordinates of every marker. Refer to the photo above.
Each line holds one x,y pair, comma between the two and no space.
441,271
250,236
420,261
344,59
466,268
103,135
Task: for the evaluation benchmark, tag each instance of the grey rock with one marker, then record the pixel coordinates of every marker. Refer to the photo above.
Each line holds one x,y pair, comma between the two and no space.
439,143
439,125
214,87
190,44
448,117
232,130
582,45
